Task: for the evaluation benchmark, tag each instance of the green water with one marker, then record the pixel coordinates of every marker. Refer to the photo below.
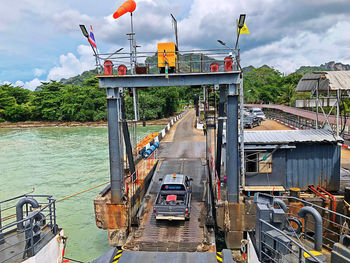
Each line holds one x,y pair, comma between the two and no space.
60,162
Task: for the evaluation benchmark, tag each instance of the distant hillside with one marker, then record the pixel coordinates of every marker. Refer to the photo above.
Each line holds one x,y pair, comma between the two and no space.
187,61
77,80
193,60
330,66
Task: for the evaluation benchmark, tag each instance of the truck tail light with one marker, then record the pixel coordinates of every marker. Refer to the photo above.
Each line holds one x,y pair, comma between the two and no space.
186,211
154,211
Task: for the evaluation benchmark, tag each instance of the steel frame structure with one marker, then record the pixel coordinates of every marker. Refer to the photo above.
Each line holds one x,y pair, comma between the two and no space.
114,85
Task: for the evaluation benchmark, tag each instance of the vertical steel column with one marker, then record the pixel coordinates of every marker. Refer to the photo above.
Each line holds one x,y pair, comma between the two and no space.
232,144
116,174
317,98
241,134
220,128
338,111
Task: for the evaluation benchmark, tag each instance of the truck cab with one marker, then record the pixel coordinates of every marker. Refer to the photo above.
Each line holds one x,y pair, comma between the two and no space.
173,201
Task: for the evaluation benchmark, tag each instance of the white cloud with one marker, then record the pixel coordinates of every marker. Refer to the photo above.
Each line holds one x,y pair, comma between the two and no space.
71,66
19,83
305,48
38,72
284,33
31,85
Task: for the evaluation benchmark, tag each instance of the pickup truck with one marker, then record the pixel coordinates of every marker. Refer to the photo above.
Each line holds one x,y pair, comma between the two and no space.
251,121
173,201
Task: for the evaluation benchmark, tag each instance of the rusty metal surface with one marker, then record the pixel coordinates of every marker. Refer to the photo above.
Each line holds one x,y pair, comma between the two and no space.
153,235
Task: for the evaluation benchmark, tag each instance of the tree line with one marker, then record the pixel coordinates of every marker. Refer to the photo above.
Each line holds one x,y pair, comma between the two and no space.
85,101
56,101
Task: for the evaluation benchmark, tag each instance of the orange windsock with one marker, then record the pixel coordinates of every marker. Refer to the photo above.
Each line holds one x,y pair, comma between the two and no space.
128,6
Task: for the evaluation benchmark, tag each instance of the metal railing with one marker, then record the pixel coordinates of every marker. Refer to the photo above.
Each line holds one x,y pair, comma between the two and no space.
286,249
20,239
187,61
277,245
293,121
332,230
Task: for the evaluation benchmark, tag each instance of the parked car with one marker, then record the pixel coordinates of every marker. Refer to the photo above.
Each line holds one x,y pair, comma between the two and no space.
173,201
251,121
259,113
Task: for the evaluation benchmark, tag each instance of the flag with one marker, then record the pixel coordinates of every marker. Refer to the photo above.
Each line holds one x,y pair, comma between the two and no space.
244,29
92,38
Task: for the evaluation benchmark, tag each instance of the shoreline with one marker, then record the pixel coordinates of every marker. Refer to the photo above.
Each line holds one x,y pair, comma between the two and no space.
43,124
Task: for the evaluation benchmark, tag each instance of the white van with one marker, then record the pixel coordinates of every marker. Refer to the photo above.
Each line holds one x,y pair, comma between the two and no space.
259,113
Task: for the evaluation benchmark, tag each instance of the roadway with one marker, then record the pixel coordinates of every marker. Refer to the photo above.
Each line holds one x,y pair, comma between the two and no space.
181,151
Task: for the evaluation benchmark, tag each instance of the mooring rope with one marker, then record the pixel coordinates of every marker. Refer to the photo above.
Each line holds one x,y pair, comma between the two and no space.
61,199
78,193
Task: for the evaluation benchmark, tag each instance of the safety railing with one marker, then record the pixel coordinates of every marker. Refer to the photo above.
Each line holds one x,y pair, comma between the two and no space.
187,61
22,234
276,246
302,230
293,121
334,224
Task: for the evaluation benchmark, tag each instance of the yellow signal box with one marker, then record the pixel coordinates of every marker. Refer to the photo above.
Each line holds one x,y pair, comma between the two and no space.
166,55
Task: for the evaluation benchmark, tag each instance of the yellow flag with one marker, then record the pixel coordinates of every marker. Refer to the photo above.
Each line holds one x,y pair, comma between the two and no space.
244,29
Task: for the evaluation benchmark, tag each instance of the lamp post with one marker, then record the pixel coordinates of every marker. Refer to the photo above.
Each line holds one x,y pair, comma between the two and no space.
240,26
86,34
236,50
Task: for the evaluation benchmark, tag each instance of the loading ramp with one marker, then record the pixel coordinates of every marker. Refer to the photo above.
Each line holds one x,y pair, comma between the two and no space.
189,236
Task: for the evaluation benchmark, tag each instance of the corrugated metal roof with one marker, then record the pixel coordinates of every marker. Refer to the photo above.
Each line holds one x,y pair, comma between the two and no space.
332,80
289,136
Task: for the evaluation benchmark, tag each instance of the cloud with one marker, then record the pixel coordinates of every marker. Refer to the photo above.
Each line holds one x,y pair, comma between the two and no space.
38,72
284,33
19,83
304,48
71,66
31,85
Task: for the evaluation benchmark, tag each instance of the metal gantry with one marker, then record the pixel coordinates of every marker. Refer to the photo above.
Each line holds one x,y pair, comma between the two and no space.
115,85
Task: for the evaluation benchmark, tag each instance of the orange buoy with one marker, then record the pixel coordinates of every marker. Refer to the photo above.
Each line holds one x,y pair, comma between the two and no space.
127,6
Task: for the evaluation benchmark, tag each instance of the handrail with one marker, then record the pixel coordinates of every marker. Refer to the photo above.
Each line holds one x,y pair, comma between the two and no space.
334,200
38,223
301,247
314,205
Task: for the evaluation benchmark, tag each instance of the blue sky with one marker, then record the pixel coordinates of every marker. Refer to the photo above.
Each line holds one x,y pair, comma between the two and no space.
41,39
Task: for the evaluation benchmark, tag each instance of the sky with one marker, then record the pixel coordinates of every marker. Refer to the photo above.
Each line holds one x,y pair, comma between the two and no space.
41,40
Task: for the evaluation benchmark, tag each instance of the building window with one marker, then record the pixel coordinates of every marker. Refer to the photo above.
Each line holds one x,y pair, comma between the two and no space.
251,164
258,162
265,162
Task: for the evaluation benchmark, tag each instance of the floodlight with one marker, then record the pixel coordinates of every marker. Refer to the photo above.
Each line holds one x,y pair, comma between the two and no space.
222,43
241,20
84,31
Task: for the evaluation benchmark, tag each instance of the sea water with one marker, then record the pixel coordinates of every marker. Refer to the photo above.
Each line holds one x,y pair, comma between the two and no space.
61,161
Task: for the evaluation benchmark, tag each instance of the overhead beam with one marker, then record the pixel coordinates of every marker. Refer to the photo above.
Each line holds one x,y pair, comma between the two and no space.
159,80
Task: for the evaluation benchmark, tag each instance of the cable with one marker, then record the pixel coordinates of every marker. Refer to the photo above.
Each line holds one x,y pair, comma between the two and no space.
86,190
